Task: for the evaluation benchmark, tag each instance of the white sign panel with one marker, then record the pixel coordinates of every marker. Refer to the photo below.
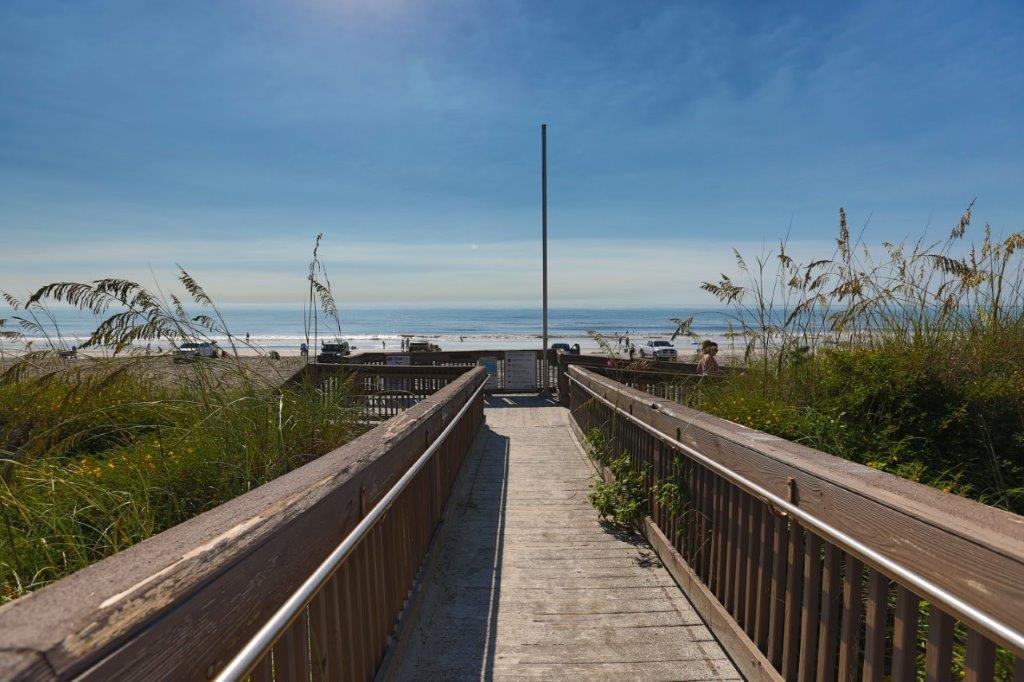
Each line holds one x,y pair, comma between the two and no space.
396,383
520,370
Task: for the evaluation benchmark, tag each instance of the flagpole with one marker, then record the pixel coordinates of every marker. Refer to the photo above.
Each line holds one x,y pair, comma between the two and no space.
544,241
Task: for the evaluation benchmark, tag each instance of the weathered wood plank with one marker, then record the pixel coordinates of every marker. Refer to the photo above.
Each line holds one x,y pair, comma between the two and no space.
809,615
828,626
904,640
794,592
776,616
849,642
979,664
874,627
938,661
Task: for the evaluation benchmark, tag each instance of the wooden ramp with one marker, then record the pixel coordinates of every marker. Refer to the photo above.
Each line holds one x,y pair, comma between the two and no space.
525,583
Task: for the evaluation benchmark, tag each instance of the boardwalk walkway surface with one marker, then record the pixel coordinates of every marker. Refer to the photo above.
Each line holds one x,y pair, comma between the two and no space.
525,583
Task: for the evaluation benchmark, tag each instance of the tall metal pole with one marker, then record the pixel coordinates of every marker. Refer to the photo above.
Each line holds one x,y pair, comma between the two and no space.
544,240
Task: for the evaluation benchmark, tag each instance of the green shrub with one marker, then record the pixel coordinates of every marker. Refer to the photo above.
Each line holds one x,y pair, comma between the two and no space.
597,446
910,361
622,501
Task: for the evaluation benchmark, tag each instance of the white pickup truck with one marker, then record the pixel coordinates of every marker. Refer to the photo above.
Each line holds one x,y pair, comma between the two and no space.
658,350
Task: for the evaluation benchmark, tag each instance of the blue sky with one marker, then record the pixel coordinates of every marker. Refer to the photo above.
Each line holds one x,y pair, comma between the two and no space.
225,135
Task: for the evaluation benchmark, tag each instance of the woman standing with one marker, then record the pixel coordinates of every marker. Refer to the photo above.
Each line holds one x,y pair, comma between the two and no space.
708,365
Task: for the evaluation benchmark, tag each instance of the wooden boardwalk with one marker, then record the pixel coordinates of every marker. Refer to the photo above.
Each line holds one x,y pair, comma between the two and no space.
525,583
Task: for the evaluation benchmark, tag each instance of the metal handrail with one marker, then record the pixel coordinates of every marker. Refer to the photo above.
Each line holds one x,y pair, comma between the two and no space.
1004,633
246,659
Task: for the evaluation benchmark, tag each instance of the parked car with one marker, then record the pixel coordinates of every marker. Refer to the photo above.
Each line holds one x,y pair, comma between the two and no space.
658,350
193,351
564,347
423,347
333,352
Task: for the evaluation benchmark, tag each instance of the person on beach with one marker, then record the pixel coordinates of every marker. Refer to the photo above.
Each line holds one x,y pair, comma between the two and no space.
247,337
383,345
708,365
303,350
632,351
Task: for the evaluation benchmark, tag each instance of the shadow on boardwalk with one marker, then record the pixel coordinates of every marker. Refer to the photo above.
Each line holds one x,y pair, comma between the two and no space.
526,584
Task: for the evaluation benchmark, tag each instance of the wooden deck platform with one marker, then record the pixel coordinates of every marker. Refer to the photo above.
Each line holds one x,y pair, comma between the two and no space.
525,583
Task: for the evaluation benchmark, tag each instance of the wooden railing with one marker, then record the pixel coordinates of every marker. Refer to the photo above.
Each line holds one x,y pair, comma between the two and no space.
380,391
810,567
182,604
669,380
464,358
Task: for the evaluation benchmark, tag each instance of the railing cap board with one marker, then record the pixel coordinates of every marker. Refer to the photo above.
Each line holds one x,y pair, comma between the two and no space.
373,356
919,526
77,621
397,370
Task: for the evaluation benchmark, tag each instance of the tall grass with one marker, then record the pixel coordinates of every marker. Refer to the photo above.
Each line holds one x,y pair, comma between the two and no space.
908,357
100,453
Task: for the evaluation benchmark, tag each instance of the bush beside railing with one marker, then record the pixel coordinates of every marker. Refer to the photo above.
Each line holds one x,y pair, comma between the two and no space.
808,566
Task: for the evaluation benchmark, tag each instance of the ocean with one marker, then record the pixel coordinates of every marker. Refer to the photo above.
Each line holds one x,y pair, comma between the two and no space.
281,328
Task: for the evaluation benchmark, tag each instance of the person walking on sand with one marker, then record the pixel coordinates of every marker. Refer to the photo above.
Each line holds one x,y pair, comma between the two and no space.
708,365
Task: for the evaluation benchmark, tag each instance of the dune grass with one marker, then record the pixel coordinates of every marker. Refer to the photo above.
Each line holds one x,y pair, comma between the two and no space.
911,362
97,454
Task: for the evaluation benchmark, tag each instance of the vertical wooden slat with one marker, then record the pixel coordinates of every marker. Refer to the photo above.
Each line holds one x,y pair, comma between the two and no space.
721,527
938,659
334,631
357,593
742,542
794,587
828,625
764,565
753,541
264,670
375,624
809,615
777,599
1018,668
732,497
697,521
707,480
979,665
874,627
849,642
291,653
904,638
692,511
318,636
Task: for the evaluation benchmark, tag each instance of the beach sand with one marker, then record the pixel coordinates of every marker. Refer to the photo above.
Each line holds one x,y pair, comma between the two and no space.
163,368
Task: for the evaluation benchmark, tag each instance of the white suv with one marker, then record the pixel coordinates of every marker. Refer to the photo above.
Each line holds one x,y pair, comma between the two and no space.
658,350
194,351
